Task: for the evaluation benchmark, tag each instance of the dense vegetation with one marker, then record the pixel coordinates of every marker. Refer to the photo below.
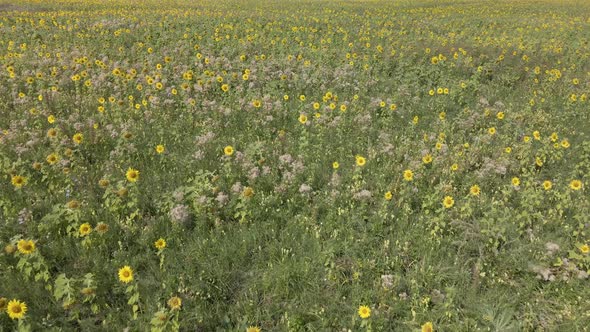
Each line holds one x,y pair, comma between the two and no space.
295,166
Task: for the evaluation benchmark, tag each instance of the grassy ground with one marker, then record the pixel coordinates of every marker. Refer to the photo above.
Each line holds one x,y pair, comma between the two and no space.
285,166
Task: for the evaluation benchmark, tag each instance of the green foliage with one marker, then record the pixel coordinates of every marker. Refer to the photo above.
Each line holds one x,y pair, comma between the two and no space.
225,166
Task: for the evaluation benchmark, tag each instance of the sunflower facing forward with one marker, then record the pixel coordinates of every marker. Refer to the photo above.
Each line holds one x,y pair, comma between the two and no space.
132,175
126,274
16,309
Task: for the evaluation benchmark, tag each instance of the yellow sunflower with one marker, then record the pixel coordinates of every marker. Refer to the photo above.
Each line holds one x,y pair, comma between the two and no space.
175,303
408,175
125,274
547,185
160,244
26,246
515,181
576,184
302,118
85,229
248,192
52,159
427,327
18,181
360,160
364,311
16,309
132,175
448,202
228,150
388,196
3,303
78,138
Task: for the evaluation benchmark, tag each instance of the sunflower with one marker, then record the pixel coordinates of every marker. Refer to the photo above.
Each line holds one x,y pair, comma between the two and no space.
18,181
85,229
547,185
102,228
448,202
408,175
78,138
248,192
122,192
9,249
565,144
3,303
26,246
360,160
160,148
52,133
427,327
174,303
335,165
132,175
302,118
475,190
515,181
427,159
16,309
576,184
388,196
228,150
73,204
52,158
256,103
364,311
160,244
253,329
126,274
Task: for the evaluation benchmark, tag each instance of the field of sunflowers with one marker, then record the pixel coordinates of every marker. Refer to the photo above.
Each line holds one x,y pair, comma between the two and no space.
266,165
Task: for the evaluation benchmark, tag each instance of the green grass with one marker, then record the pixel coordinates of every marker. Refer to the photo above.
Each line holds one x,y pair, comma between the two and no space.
273,236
